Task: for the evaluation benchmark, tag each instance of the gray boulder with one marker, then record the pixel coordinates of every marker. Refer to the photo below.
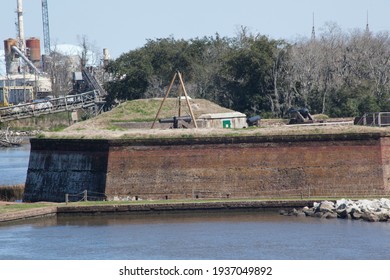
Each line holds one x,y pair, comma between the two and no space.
300,214
370,217
368,205
368,210
318,214
344,203
329,215
385,203
283,212
355,214
308,211
342,213
326,206
383,215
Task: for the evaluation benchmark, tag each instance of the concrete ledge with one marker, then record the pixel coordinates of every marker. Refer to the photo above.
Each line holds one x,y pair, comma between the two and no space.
243,205
28,214
150,208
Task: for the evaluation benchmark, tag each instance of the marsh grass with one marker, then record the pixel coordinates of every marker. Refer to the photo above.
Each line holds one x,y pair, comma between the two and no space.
11,193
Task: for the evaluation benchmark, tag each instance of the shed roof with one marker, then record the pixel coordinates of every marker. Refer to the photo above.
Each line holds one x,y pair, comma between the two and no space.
228,115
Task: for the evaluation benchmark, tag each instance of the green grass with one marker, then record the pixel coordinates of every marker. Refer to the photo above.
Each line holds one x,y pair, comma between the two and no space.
187,136
114,127
145,110
138,110
15,207
58,128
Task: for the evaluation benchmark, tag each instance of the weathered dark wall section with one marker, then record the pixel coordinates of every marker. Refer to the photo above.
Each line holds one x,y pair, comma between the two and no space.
57,167
215,167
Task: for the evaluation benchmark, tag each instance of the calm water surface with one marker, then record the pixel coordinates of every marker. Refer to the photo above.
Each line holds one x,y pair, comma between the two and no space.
219,235
13,165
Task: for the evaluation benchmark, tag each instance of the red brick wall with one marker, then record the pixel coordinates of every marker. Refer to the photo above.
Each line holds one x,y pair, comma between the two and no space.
282,166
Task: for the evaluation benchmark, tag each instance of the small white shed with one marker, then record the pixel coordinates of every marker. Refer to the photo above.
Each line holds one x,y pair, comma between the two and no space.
223,120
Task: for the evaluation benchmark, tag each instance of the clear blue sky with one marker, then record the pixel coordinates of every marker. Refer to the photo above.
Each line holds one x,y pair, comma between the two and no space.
123,25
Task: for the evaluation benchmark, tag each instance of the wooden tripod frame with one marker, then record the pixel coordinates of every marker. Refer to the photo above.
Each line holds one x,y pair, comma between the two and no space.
177,74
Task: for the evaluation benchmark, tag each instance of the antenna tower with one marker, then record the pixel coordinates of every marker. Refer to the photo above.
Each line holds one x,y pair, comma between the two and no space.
313,31
46,31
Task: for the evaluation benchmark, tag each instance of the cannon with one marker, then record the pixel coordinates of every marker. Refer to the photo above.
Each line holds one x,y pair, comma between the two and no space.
253,121
175,120
300,116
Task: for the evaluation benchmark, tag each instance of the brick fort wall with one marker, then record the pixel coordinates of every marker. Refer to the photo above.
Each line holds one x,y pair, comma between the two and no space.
216,167
326,165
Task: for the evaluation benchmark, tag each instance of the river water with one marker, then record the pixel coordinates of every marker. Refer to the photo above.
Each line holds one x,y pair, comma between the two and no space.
198,235
201,236
13,165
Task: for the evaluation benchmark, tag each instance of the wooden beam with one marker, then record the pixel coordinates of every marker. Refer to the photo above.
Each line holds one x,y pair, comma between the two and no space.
166,95
180,91
188,102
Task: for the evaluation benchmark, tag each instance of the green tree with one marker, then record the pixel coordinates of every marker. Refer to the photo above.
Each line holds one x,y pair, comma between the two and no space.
338,74
248,73
131,73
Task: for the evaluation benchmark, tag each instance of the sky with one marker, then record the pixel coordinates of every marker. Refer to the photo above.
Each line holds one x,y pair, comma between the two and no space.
124,25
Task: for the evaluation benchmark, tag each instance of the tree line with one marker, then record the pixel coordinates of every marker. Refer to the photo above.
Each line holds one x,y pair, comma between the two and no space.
337,73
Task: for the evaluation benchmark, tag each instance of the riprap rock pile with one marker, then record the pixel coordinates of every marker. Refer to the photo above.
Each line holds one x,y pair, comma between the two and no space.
377,210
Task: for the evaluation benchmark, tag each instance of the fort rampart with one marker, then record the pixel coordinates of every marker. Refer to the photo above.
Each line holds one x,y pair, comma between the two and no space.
293,166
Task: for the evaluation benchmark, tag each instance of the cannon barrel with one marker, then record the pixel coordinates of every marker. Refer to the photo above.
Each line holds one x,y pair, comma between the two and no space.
253,120
304,112
168,120
299,116
175,119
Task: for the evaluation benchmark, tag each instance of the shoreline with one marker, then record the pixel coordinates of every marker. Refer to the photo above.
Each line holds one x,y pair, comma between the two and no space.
50,210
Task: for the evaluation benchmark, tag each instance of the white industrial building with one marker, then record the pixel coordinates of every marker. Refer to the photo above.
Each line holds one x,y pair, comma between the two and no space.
223,120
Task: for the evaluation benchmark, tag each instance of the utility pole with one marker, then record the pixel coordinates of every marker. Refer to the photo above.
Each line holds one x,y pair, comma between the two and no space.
46,31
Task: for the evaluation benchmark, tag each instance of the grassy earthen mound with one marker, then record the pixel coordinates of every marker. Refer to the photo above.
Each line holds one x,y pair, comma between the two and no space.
109,125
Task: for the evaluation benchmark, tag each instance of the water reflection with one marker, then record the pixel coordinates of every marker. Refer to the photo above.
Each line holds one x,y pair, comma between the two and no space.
213,235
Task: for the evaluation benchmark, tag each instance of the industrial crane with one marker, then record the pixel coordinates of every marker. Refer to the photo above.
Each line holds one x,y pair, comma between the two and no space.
46,31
